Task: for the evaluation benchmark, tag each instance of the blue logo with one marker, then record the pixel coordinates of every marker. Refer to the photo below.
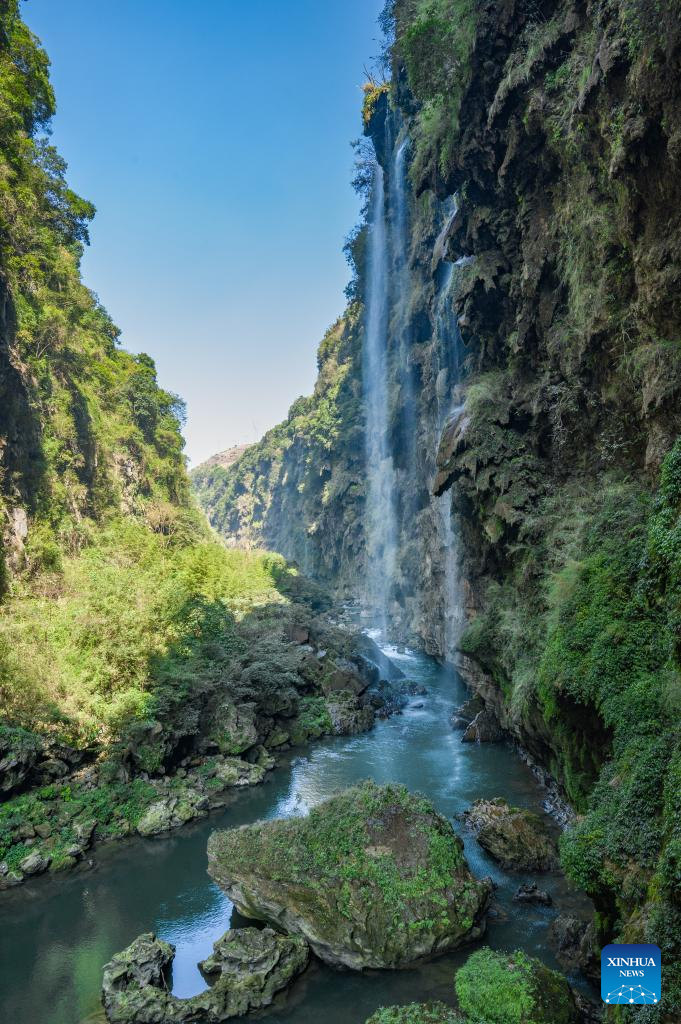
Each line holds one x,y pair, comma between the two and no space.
631,974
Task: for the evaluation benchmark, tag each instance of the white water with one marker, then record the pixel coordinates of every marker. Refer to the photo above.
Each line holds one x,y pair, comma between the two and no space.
449,362
380,518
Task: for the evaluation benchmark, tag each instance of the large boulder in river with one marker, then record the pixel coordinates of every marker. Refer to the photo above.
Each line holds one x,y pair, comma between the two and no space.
373,877
513,988
249,967
516,838
416,1013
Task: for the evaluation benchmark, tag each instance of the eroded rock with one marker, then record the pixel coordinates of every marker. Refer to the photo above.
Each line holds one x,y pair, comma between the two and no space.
484,728
516,838
373,877
19,752
250,966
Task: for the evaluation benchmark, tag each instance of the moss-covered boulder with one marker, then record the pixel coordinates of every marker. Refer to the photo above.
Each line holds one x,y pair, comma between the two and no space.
516,838
373,877
233,728
502,988
249,966
416,1013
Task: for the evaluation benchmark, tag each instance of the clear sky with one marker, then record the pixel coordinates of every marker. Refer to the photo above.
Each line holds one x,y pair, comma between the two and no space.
213,137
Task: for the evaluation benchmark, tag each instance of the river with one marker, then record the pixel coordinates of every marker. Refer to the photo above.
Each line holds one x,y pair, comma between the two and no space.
56,934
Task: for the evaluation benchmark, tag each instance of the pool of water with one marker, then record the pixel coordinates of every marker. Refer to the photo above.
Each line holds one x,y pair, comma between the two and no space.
55,935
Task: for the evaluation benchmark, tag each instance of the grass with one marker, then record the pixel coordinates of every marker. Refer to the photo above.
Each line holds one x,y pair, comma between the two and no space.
86,650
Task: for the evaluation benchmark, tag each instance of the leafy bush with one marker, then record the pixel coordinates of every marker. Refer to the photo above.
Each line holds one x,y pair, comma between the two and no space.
500,988
134,616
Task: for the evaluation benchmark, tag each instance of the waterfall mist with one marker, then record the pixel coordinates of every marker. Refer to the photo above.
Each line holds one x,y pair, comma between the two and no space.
449,356
380,521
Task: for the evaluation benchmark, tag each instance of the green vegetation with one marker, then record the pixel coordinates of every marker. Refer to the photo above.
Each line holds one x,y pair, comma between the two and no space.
238,500
595,643
123,629
416,1013
498,988
335,843
434,39
373,876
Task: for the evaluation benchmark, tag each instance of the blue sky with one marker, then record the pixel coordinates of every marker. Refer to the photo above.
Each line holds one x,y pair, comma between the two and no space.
213,137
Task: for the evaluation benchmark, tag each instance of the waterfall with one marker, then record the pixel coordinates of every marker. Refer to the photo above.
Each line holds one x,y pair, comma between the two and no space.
381,531
400,292
449,353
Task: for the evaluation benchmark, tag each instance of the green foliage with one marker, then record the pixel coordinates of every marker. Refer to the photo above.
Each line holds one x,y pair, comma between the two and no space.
313,720
101,433
593,642
237,500
435,40
130,630
499,988
416,1013
116,808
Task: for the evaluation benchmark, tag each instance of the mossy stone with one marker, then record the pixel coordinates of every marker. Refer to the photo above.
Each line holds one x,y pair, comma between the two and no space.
373,877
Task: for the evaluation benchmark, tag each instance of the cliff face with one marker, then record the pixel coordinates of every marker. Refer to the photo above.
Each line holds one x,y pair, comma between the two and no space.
533,368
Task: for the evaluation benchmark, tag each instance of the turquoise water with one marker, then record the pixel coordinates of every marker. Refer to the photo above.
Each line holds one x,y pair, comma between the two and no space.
57,934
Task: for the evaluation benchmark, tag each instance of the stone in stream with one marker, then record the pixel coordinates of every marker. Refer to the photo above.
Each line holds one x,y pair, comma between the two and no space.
250,967
513,988
530,892
516,838
484,728
416,1013
373,877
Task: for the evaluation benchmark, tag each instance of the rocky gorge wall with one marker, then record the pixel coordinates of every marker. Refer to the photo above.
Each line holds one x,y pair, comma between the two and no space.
533,368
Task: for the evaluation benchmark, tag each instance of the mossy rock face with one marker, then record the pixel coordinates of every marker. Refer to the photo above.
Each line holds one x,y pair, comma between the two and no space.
249,966
516,838
19,751
416,1013
373,877
233,727
502,988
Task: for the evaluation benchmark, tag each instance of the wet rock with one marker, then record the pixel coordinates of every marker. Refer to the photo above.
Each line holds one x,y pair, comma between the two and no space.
484,728
277,737
575,944
35,864
349,716
343,677
9,879
371,655
518,987
250,967
232,771
158,818
516,838
84,831
466,712
417,1013
409,892
531,893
